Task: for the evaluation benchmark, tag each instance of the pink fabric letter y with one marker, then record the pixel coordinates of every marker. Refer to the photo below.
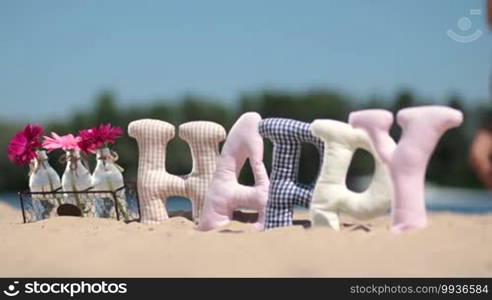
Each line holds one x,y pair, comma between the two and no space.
422,128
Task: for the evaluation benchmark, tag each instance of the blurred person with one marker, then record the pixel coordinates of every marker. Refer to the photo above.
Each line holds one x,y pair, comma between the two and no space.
481,148
489,11
481,153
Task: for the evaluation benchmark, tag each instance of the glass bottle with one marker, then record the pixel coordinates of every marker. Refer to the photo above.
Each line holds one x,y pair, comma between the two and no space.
43,178
77,178
108,176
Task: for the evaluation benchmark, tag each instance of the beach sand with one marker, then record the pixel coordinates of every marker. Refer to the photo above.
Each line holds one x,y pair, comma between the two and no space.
452,245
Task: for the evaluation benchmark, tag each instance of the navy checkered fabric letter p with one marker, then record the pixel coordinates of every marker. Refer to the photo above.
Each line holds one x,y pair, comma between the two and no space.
287,136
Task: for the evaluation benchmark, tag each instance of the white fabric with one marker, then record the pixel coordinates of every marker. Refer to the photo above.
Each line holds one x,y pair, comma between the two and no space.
331,195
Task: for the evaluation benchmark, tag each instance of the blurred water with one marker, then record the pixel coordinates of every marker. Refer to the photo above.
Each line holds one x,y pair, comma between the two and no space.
467,201
172,204
459,200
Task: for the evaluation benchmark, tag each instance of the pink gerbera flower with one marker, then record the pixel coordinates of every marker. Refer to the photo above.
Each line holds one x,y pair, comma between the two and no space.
87,143
98,137
22,147
107,133
65,142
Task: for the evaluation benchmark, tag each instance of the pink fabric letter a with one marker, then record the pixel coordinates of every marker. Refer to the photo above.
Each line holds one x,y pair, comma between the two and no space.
225,193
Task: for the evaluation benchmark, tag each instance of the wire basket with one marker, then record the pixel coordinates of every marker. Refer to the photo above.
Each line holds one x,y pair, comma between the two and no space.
120,204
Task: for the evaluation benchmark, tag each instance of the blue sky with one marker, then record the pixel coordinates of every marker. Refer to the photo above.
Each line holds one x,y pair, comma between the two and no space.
57,55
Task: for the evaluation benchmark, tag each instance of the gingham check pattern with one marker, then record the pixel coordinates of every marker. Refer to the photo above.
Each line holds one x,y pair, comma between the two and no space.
287,136
155,184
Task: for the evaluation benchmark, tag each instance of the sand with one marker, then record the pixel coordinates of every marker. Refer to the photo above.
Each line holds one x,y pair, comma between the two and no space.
453,245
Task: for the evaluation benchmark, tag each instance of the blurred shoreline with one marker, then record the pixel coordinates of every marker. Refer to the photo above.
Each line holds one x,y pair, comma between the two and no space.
438,199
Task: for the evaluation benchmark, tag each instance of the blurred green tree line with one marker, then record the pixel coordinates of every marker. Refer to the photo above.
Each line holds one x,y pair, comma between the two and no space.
448,166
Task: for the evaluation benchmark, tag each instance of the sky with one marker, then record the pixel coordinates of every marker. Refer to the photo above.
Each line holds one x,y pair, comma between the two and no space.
56,56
